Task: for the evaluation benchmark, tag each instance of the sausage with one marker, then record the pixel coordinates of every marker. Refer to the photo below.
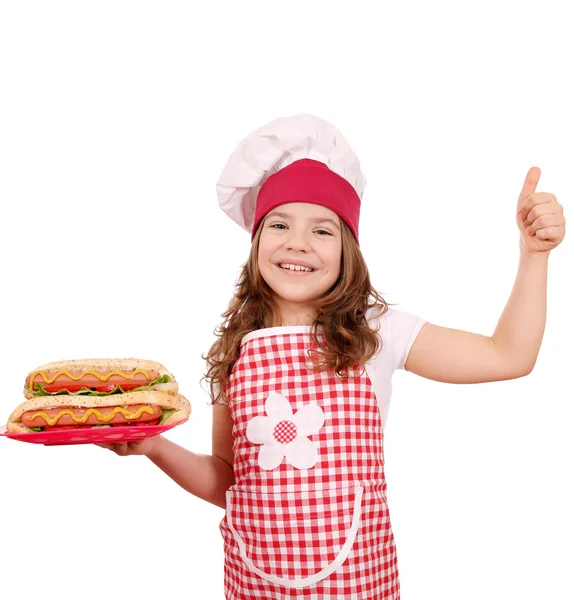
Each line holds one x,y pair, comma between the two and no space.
29,419
91,381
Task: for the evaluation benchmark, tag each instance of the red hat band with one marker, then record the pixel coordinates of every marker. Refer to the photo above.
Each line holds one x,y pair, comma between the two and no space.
310,181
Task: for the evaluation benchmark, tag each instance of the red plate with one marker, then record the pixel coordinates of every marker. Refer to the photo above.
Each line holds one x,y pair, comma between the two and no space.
100,435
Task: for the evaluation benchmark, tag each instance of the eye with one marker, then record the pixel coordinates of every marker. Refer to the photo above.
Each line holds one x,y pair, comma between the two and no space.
276,225
324,231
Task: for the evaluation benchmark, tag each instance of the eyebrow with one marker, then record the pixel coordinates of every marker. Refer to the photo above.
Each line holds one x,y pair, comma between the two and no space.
282,215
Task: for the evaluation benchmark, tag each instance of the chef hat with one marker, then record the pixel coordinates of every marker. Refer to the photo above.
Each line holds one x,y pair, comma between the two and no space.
293,159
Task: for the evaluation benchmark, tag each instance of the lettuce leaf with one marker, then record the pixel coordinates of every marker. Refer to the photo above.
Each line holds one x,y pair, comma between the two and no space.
88,392
165,413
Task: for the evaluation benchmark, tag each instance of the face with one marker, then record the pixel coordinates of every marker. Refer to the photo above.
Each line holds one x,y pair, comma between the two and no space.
299,255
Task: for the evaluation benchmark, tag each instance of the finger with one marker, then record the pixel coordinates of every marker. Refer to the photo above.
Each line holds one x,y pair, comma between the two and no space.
136,447
106,446
547,220
536,207
122,448
529,186
119,447
548,233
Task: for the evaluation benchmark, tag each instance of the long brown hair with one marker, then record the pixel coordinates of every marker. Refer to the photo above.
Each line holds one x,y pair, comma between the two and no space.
348,340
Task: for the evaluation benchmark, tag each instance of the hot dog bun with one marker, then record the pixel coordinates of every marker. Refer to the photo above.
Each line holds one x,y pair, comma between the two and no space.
104,365
152,397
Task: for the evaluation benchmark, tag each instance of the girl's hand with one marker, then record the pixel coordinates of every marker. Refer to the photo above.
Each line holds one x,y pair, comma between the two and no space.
540,217
145,447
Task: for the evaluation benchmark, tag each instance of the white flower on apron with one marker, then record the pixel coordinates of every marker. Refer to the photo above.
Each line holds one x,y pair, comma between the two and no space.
284,434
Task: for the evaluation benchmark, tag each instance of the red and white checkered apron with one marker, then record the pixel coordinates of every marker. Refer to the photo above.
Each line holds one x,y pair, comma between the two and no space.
318,532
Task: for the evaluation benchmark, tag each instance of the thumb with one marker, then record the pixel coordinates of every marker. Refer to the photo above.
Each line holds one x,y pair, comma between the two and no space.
529,186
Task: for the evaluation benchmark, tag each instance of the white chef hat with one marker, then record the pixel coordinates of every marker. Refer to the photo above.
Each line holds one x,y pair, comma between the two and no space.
322,170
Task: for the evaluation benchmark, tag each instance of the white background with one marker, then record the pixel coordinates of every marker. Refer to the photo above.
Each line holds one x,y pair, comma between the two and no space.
116,121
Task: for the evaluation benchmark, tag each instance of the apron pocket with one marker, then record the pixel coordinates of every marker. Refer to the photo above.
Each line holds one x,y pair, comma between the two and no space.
294,540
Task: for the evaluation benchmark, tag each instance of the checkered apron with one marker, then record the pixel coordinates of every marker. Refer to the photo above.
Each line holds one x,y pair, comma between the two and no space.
319,531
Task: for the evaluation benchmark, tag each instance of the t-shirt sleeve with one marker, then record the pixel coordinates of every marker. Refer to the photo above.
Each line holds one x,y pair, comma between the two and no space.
398,331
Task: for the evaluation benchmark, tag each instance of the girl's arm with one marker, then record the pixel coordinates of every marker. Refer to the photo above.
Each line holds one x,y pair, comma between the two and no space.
455,356
206,476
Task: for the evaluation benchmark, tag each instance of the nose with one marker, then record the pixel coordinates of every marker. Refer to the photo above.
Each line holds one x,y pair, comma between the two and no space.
297,240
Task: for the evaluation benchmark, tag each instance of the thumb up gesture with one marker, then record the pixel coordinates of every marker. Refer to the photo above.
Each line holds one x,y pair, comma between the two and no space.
539,216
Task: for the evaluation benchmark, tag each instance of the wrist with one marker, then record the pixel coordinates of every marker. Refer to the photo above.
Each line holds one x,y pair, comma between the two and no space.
534,257
155,447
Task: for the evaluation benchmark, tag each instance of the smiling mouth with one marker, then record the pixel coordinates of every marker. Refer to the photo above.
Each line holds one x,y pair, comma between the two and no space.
295,268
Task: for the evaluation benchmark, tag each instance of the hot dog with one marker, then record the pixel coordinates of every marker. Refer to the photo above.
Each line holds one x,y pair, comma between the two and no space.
98,393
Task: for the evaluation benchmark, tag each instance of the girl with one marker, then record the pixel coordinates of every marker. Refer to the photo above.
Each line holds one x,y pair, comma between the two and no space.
300,374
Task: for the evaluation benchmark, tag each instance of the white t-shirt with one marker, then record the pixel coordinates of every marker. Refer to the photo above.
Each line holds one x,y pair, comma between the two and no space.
398,330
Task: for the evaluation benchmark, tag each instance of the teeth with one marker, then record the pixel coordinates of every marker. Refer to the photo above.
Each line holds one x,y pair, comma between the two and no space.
295,267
